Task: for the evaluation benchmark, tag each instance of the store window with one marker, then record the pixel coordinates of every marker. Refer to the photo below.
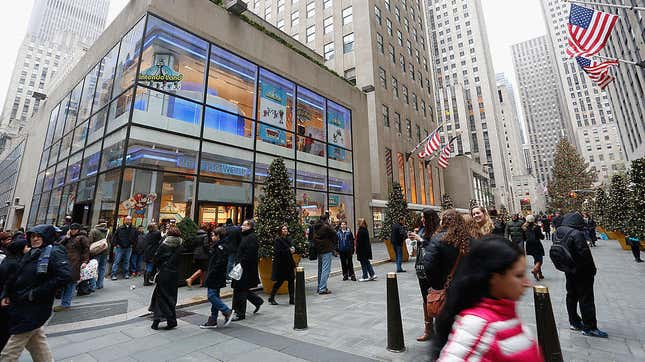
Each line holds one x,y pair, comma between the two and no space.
341,208
66,144
166,112
72,108
126,67
340,182
224,191
311,177
228,128
74,168
310,114
311,150
68,198
89,86
231,83
59,176
312,204
413,183
60,119
42,208
54,203
162,151
226,162
85,190
339,158
262,163
113,150
422,183
339,125
79,137
106,194
91,160
173,60
51,126
119,111
97,125
276,100
53,154
106,77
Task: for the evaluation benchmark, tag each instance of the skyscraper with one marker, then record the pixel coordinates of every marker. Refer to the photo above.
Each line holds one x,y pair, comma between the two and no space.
466,93
540,99
591,120
57,30
511,126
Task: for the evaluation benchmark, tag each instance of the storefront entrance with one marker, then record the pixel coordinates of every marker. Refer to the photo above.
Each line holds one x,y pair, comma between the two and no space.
82,213
218,213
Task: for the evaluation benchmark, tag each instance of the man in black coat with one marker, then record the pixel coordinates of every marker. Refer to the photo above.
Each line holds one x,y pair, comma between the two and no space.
124,238
247,257
29,294
579,283
398,236
231,243
10,255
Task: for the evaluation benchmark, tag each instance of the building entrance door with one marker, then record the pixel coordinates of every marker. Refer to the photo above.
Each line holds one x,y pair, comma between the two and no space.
82,213
218,213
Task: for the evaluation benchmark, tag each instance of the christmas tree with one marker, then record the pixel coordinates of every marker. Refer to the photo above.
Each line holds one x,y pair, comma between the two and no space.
616,215
600,207
473,203
396,209
277,207
636,219
503,214
446,202
570,172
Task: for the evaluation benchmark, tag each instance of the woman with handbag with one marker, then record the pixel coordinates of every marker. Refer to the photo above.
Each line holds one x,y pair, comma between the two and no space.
479,320
430,221
164,297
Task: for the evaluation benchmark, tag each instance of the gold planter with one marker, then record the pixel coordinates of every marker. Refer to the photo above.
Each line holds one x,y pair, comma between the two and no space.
265,266
390,251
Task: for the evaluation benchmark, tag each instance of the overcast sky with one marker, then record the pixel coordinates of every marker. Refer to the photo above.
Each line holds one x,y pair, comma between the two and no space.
508,22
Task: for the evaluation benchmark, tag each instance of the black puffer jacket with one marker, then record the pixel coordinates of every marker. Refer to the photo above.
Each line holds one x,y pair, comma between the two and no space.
216,275
247,256
577,242
201,245
439,260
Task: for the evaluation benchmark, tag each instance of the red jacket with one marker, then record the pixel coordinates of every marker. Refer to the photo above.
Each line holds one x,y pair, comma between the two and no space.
490,331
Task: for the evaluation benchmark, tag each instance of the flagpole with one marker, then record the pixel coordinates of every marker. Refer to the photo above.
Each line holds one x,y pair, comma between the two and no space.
639,64
629,7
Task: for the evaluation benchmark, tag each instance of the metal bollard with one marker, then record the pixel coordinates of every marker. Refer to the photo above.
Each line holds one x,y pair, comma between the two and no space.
546,329
395,341
300,310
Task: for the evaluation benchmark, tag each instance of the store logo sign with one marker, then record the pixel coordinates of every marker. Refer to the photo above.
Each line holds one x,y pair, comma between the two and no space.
161,76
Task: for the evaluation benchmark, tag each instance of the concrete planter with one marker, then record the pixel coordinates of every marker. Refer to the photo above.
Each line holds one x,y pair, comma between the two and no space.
265,266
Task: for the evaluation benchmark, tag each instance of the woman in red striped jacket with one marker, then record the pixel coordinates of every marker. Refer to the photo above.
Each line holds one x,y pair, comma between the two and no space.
479,321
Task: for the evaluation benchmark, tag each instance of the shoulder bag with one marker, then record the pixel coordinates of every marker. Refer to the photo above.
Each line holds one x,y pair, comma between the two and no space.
100,246
437,297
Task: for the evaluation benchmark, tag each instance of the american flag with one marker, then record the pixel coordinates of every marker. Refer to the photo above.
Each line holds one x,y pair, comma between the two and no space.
445,154
433,144
588,31
597,71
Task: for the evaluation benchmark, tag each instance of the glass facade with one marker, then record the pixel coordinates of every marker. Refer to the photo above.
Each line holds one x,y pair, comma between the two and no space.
168,125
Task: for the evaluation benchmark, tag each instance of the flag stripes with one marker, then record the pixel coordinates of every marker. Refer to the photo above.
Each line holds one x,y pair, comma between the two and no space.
588,30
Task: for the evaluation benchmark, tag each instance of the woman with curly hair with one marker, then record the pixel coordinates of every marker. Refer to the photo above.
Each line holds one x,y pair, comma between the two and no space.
483,220
472,227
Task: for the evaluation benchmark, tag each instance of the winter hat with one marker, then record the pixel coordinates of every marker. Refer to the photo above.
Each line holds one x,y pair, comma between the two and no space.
530,218
75,226
17,246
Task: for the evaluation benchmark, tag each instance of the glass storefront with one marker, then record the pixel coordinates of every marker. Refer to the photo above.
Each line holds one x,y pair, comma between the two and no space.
168,125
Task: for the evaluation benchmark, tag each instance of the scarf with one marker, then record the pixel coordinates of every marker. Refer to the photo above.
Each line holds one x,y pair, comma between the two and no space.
172,241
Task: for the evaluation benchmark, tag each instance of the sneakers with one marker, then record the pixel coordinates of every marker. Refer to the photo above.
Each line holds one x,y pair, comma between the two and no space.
364,279
374,277
114,277
236,318
326,291
576,326
211,323
127,276
228,318
595,333
61,308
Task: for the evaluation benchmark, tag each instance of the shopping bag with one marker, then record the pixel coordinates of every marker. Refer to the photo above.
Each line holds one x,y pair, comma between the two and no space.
236,272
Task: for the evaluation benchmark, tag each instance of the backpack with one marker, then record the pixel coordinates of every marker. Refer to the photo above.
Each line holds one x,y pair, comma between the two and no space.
561,256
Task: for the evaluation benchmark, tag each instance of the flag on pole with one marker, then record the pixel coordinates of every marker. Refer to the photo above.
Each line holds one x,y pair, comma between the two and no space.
588,31
445,154
433,144
597,71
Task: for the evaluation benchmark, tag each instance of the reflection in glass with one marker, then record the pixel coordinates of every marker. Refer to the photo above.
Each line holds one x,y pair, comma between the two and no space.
97,125
59,177
227,162
311,177
72,107
262,163
311,150
53,153
104,84
276,100
85,190
74,168
119,111
128,57
140,192
237,192
91,160
231,83
67,201
166,112
339,158
310,114
105,199
162,151
80,134
113,150
228,128
51,126
42,208
312,204
65,145
339,125
274,141
60,121
89,86
52,210
341,208
340,182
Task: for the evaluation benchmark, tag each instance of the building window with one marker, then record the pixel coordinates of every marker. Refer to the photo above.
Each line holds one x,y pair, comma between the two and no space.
392,54
295,18
399,37
311,9
397,122
311,34
388,25
267,13
405,94
329,51
395,87
377,14
328,25
379,43
280,24
386,115
347,15
348,43
327,4
382,77
408,128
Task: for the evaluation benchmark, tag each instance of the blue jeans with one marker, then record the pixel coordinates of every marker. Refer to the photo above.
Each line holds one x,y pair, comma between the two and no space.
135,262
398,250
324,268
68,293
102,264
150,267
121,255
368,271
216,303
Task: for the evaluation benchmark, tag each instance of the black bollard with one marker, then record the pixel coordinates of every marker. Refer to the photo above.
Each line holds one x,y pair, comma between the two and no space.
300,310
395,341
546,329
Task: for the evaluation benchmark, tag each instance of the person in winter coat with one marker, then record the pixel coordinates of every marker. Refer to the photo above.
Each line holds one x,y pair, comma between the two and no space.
283,265
216,280
346,250
546,227
99,232
534,246
200,258
397,238
10,257
247,257
325,239
152,241
499,225
514,231
77,245
480,312
124,238
138,249
364,251
590,229
29,294
483,220
430,220
231,243
164,297
557,221
579,284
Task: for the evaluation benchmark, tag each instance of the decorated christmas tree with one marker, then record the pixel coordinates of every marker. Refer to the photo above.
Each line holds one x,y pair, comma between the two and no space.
503,214
617,214
472,203
277,207
446,202
570,172
396,209
600,207
636,219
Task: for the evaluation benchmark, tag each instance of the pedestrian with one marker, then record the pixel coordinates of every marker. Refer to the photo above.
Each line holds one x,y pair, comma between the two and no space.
481,310
483,220
346,251
556,221
579,283
164,297
514,231
10,255
99,232
283,265
152,241
247,257
77,246
29,294
216,280
231,243
397,238
124,238
472,227
137,252
534,246
200,258
325,240
499,224
364,251
546,227
430,220
590,228
65,227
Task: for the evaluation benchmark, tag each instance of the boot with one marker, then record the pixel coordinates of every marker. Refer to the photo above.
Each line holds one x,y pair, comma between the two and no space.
428,331
146,279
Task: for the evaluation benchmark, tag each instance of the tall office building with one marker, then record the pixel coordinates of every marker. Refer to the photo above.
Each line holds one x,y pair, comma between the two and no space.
589,110
626,92
540,99
466,93
57,30
511,126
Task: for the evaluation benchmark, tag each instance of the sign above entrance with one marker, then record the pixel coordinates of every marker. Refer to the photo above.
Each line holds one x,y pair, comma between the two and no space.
160,75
